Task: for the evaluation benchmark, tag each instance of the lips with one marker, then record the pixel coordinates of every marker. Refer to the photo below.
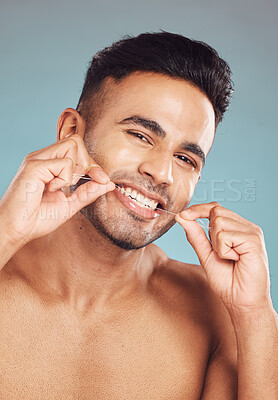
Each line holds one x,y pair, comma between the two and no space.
138,200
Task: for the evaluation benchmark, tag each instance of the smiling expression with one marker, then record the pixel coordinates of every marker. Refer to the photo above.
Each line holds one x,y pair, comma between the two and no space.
151,139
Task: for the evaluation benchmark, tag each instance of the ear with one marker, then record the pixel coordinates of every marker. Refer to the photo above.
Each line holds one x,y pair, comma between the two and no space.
70,122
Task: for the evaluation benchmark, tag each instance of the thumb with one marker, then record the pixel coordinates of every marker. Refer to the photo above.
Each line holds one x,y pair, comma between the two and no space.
197,238
86,194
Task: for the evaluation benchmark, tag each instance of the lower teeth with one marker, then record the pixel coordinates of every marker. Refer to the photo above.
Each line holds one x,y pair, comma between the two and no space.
140,204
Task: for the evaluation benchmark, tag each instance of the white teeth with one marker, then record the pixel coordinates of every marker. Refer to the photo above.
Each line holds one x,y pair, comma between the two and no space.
138,198
133,194
148,201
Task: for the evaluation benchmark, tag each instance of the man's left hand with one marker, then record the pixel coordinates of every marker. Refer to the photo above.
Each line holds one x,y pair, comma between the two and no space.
234,259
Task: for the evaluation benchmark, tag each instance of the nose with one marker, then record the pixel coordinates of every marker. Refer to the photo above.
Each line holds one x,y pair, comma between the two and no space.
158,166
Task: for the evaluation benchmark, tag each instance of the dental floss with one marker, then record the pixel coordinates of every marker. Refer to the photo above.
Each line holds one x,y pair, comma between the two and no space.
83,177
170,212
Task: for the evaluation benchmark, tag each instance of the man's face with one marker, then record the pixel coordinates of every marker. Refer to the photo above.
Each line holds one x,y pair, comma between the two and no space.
150,139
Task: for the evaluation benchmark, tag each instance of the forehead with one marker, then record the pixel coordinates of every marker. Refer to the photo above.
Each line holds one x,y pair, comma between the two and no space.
181,109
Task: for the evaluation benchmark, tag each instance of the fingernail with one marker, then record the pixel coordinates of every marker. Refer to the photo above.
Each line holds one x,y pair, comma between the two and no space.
103,177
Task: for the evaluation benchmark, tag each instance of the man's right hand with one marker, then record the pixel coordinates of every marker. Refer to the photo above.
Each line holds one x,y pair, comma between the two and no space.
34,203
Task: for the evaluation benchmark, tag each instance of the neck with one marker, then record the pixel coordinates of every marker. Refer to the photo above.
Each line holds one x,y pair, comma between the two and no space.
78,265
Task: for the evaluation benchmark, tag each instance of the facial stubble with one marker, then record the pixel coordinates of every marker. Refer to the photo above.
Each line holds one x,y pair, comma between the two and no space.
122,227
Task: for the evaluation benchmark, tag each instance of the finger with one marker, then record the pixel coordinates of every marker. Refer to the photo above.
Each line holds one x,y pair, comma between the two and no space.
86,194
219,223
97,174
197,238
198,211
72,147
55,150
222,243
210,210
47,170
232,244
61,170
85,164
34,176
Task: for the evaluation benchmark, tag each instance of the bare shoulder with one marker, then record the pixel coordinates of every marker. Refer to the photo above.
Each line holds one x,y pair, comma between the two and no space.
183,282
185,289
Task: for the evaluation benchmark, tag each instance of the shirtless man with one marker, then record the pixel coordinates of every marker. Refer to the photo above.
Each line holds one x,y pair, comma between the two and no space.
90,308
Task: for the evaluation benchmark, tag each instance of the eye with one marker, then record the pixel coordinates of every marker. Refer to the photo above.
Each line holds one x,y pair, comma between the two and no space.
138,135
186,160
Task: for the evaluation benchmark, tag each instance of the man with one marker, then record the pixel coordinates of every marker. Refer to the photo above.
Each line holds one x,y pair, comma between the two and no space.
90,307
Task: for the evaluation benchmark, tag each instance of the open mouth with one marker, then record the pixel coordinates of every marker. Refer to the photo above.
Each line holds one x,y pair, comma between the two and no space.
137,202
139,199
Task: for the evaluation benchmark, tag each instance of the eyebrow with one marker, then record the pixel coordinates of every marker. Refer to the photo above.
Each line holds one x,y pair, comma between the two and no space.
160,132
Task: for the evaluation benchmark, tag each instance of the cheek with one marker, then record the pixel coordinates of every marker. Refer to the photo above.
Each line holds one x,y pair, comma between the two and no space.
192,185
122,157
185,190
115,154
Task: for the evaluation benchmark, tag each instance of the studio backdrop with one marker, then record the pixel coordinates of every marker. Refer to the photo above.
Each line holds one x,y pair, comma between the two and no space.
45,50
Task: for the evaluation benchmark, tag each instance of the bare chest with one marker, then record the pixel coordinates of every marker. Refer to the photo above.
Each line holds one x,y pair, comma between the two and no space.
143,355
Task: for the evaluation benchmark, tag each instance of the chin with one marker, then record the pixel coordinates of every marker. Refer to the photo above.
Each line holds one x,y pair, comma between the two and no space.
122,228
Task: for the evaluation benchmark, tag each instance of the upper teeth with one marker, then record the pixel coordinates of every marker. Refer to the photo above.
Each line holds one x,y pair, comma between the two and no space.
141,200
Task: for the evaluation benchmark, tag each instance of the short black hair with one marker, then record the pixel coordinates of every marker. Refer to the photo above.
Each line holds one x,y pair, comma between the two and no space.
166,53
